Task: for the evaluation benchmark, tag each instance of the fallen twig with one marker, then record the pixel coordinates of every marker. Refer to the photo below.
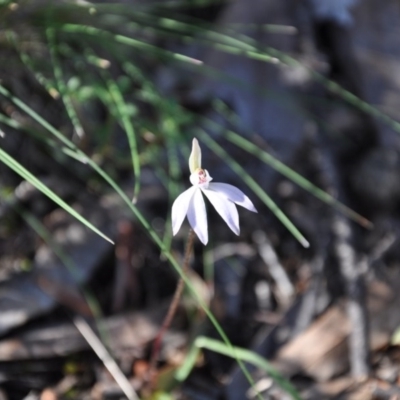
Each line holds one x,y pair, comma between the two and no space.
98,347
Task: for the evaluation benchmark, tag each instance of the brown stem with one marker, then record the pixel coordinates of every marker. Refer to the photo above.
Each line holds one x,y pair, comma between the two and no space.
171,310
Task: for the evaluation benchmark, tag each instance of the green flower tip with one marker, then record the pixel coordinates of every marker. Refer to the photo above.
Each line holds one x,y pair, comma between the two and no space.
195,157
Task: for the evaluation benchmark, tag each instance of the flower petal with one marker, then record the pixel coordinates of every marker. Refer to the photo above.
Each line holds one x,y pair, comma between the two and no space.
180,208
233,194
195,156
197,216
225,208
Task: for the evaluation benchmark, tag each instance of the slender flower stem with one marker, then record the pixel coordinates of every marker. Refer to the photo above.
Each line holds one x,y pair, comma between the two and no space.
171,310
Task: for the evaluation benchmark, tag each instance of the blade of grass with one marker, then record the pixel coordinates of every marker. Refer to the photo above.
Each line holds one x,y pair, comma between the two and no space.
36,117
125,117
22,127
216,41
175,175
245,355
25,174
295,177
62,88
28,62
12,123
271,28
103,34
339,90
209,270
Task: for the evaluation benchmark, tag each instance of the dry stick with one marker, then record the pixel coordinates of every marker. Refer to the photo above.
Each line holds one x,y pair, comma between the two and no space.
172,308
278,273
87,332
352,272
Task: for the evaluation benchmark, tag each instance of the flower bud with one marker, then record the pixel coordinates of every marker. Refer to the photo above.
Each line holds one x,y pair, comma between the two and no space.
195,157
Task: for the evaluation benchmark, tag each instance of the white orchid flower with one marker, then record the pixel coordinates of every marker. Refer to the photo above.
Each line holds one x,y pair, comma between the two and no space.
221,195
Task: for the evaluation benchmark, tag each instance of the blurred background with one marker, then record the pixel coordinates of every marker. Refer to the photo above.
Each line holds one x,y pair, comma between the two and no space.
295,102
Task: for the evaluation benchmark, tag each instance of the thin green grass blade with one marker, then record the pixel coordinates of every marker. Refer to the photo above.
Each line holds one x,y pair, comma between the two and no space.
211,38
209,270
25,174
174,172
245,355
103,34
295,177
125,117
36,117
253,185
271,28
62,88
28,62
12,123
334,87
